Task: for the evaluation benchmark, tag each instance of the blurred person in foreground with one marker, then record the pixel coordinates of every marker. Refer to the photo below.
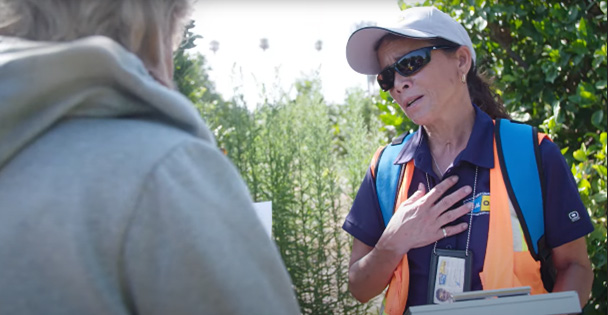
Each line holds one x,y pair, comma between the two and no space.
427,64
114,198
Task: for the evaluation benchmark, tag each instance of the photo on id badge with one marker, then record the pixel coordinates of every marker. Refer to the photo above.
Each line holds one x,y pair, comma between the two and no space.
450,273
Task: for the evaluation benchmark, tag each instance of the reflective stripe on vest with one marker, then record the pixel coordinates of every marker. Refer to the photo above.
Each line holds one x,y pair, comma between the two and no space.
502,253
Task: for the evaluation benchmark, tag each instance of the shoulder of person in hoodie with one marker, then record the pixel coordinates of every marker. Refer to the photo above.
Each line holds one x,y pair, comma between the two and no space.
133,145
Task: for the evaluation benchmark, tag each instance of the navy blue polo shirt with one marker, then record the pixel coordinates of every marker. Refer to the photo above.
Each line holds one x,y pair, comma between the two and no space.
364,221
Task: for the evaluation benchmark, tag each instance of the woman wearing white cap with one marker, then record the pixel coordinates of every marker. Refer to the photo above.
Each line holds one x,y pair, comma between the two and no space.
441,237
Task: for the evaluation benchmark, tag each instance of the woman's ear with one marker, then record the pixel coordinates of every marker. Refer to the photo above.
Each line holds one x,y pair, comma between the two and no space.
464,57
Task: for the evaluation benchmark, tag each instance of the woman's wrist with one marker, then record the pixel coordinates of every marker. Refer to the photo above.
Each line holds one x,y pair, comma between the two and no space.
389,251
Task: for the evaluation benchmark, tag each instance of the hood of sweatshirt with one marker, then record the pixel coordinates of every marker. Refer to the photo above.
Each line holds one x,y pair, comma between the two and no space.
42,83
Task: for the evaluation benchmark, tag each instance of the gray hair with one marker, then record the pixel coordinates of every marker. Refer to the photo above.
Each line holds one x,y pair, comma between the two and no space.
139,25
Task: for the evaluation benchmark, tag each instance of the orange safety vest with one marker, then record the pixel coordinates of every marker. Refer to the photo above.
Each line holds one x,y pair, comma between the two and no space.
501,254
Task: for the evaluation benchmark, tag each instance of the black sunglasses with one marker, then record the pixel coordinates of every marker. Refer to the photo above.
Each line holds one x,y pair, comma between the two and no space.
407,65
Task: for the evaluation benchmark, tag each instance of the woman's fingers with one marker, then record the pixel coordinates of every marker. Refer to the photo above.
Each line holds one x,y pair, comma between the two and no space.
452,230
422,219
441,189
451,199
451,215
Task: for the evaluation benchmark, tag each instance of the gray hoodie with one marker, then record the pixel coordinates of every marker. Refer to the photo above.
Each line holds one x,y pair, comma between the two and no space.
114,198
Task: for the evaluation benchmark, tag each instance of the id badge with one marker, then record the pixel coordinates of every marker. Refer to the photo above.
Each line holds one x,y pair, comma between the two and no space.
450,272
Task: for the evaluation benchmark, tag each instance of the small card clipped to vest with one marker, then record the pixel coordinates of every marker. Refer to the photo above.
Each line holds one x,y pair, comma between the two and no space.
450,272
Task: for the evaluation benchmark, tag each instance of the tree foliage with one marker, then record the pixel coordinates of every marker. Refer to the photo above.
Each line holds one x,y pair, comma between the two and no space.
190,70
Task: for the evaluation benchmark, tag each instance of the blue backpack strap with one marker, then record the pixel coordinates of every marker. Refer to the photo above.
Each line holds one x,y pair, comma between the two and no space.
517,146
388,176
519,155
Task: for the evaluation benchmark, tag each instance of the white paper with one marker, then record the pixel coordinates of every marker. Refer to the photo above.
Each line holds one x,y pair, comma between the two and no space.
264,212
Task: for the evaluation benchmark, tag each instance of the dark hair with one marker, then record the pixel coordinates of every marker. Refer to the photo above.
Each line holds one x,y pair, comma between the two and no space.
478,85
482,96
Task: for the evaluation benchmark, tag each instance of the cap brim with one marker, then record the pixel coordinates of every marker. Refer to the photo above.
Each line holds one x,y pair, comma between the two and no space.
361,46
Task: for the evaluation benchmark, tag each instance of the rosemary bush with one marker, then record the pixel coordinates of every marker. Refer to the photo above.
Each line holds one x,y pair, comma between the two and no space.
308,159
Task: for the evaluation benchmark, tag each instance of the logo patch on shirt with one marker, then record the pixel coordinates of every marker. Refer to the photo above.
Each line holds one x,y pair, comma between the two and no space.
482,203
574,216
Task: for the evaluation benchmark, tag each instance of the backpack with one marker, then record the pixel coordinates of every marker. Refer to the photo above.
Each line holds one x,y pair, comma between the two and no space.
520,162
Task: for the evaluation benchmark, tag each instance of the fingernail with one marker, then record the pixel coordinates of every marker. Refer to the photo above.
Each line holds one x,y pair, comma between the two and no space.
467,189
455,178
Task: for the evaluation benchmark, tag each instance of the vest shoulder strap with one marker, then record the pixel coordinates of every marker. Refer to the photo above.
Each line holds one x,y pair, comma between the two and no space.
388,176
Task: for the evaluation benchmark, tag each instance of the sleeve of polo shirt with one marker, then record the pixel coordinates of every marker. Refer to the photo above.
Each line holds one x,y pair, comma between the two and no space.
566,218
364,221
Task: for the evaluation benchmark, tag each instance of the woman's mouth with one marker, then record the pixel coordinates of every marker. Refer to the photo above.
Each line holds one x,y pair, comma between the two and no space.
412,101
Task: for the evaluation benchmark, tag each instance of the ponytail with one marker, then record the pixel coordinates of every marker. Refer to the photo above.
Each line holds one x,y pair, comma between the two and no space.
482,96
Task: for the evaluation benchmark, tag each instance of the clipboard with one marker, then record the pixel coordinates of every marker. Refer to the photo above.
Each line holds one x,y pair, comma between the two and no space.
505,301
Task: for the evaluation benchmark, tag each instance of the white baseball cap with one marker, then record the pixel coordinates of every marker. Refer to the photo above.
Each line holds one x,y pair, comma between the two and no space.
417,22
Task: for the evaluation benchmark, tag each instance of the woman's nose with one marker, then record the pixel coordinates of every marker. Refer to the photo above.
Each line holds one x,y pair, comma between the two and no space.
402,83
